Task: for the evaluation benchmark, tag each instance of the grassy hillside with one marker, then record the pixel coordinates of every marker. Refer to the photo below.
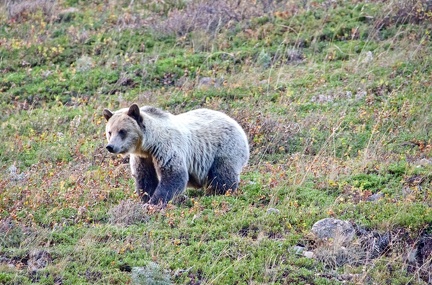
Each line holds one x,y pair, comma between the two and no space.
335,97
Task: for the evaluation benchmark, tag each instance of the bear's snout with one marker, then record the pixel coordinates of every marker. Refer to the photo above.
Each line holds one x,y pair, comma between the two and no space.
110,148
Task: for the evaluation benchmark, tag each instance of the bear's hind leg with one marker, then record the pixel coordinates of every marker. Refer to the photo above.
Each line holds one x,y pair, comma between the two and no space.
146,179
222,177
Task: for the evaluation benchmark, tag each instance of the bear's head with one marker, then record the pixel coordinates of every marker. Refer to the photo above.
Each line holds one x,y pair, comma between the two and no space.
124,130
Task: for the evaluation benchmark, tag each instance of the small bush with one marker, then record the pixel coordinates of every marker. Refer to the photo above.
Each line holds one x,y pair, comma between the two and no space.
209,16
10,234
411,11
152,274
268,135
21,10
128,212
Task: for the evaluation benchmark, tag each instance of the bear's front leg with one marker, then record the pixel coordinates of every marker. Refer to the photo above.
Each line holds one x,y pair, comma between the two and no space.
146,179
173,181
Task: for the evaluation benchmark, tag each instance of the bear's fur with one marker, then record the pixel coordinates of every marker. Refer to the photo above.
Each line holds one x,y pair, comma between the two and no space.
200,148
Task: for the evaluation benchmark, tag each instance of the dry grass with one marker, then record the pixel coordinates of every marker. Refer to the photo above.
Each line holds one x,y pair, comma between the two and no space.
22,10
209,16
128,212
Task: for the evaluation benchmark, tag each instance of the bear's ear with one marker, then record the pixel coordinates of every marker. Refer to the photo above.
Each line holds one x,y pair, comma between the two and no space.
107,114
135,113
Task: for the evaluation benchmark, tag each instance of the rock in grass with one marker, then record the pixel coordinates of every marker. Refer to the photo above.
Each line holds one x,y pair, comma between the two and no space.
338,231
308,254
152,274
272,211
297,249
375,197
208,82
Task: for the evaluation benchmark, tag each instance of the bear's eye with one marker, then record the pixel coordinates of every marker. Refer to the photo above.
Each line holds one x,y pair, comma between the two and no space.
122,133
109,133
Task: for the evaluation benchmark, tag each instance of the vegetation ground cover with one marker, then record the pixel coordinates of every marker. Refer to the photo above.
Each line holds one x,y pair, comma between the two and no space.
335,97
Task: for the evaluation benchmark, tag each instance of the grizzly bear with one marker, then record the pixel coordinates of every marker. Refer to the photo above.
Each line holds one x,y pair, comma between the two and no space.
199,148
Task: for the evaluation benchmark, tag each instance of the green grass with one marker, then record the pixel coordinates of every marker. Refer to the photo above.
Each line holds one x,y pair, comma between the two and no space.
335,101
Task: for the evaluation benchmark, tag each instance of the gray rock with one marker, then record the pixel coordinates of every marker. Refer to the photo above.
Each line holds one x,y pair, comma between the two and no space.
375,197
369,57
308,254
339,231
298,249
272,211
208,82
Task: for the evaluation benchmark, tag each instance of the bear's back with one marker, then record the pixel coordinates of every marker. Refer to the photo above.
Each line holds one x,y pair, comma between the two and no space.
213,134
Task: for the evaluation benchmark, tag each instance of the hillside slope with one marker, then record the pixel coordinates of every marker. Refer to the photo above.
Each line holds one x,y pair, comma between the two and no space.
335,97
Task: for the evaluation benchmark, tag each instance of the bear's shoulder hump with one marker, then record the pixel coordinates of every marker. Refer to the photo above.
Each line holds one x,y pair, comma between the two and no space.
153,111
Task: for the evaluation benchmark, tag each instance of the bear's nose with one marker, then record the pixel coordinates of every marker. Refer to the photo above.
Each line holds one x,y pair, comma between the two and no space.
110,148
